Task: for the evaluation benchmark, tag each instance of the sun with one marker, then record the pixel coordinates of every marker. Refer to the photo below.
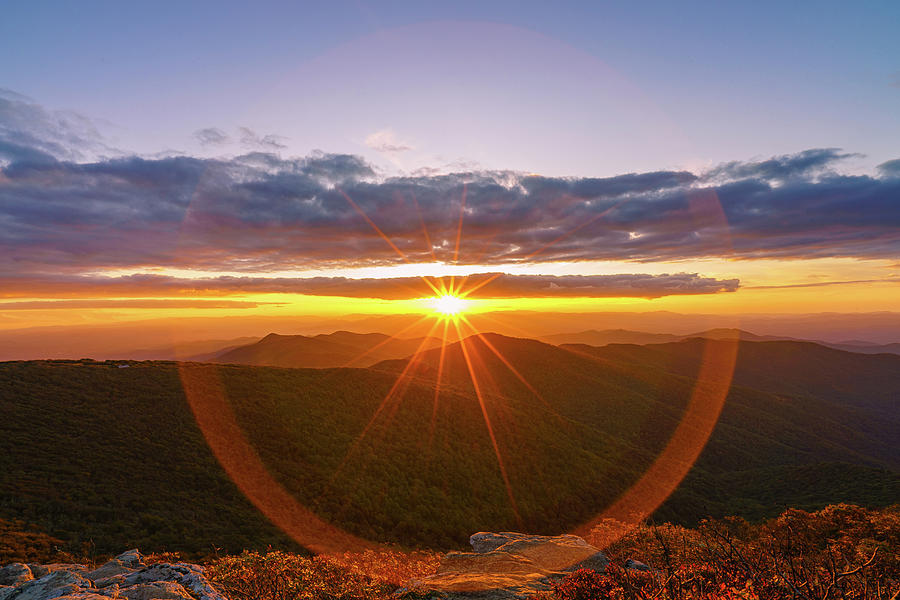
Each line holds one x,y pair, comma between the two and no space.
449,305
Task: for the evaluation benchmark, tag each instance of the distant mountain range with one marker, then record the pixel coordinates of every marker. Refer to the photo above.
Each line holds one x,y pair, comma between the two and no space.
338,349
163,339
593,337
347,349
91,451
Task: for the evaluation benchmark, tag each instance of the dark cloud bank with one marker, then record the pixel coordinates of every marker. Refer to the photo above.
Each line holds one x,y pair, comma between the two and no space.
62,214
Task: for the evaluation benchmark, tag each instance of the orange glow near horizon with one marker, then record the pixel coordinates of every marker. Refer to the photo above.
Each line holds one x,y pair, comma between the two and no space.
767,286
850,297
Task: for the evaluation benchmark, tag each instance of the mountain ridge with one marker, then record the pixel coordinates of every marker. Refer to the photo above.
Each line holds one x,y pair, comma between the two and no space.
392,460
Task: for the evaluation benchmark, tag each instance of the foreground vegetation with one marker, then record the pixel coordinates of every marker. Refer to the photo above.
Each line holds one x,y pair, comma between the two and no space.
283,576
840,552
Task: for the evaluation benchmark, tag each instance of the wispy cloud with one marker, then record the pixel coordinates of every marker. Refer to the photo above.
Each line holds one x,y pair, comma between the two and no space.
890,280
890,168
386,141
489,285
130,303
269,142
212,136
30,132
781,168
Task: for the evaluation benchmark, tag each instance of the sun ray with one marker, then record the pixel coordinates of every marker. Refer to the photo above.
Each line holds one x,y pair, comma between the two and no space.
412,362
519,330
490,427
512,369
424,229
378,230
462,212
486,281
386,340
437,384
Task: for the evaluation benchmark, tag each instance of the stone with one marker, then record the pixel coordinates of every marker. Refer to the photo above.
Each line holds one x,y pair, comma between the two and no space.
636,565
109,569
158,589
132,559
198,584
53,585
15,574
484,541
508,566
125,577
41,570
110,581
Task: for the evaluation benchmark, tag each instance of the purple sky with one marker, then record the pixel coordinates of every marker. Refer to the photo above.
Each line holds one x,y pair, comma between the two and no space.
586,89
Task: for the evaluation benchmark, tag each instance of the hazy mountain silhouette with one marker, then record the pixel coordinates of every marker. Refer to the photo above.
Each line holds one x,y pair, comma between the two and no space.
605,337
338,349
124,340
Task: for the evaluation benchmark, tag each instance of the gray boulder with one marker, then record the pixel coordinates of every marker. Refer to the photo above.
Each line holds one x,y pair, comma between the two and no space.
132,559
636,565
108,570
53,585
15,574
166,590
41,570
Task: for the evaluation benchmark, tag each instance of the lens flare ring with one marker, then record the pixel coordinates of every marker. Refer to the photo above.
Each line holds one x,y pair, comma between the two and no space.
216,420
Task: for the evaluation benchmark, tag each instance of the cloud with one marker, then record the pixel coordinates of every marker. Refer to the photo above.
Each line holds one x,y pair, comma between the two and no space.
29,132
780,168
484,285
129,303
251,139
386,141
890,168
824,283
259,212
212,136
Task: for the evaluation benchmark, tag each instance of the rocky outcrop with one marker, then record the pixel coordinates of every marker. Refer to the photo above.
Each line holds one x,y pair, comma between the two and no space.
126,577
508,566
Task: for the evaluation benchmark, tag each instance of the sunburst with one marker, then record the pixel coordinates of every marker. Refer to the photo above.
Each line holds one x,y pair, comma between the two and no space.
449,305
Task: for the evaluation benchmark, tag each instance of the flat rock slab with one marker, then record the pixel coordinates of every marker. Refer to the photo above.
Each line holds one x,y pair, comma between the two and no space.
508,565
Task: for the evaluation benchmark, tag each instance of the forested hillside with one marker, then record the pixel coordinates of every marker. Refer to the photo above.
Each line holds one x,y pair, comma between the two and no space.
92,451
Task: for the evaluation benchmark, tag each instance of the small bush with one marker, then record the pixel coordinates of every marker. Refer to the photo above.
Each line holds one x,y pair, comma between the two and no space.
285,576
586,584
20,542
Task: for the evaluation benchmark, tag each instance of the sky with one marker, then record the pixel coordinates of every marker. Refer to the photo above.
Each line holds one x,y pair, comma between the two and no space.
186,159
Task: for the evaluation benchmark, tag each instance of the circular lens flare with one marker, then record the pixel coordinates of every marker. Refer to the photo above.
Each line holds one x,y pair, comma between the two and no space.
449,304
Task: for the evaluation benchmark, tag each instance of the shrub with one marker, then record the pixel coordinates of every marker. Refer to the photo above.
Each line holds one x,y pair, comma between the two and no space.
586,584
285,576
